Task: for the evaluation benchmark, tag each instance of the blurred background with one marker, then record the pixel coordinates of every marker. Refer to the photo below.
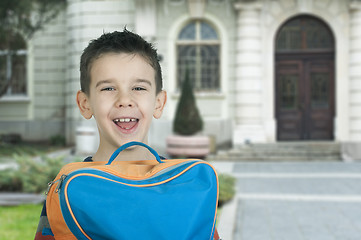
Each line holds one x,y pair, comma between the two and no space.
274,80
263,71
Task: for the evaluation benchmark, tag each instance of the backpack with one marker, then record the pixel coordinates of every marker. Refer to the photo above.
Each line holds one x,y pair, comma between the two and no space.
137,200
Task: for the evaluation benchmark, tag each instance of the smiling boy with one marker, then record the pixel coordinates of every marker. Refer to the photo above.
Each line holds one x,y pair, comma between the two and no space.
123,99
121,87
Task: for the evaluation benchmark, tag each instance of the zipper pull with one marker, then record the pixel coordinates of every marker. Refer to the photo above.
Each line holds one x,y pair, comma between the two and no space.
61,180
49,186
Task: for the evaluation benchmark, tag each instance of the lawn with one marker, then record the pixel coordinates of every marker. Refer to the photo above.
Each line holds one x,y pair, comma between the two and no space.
19,222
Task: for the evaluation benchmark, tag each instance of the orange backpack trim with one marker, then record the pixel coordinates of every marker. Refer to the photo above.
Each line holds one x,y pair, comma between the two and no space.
53,210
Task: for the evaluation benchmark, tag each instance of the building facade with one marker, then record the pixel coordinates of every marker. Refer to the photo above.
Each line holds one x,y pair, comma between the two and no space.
263,70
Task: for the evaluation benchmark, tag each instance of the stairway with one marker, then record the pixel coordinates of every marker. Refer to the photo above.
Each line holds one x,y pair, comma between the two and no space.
281,151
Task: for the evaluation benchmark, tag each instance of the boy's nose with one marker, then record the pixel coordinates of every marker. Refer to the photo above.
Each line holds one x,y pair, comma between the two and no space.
125,101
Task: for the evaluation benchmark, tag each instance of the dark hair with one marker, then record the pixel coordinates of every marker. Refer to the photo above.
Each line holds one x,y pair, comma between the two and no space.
118,42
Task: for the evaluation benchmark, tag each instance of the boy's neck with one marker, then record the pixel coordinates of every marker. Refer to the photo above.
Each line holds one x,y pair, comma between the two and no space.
131,154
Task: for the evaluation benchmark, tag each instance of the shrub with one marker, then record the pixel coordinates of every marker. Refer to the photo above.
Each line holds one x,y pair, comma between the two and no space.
32,175
10,181
57,140
36,174
187,119
226,188
11,138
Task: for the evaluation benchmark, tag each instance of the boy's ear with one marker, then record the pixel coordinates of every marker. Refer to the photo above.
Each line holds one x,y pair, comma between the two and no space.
161,100
83,104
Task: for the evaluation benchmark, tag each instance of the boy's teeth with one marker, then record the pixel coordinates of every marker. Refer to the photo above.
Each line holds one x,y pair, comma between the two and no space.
126,123
126,120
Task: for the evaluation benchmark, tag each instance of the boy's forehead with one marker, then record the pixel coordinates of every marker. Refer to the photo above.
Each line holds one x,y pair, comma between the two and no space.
126,56
103,64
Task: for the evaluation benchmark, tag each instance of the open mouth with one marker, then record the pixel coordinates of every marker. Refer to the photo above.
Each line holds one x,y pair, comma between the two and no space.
126,123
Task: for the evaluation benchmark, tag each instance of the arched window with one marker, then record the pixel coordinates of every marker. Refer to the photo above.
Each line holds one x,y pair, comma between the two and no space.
198,51
13,65
304,33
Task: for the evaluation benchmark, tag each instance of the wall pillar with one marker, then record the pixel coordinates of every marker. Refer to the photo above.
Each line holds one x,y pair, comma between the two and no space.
87,20
146,19
249,126
355,72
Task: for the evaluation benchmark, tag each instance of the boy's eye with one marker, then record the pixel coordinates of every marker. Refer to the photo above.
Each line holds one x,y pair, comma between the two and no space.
139,89
108,89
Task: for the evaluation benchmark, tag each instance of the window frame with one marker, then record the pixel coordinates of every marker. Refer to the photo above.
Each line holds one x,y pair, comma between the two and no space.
9,67
198,42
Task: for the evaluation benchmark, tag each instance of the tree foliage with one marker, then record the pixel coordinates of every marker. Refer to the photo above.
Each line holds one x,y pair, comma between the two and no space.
187,120
20,20
26,17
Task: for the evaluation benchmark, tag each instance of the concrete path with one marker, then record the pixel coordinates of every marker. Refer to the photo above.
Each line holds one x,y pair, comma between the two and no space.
13,199
298,201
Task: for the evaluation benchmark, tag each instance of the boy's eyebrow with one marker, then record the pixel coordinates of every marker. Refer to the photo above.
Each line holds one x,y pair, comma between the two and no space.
144,81
107,81
102,82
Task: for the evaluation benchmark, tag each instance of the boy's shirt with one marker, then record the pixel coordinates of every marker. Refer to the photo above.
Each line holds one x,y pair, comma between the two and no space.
44,232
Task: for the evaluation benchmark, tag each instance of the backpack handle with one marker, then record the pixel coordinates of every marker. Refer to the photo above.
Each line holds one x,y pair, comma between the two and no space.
130,144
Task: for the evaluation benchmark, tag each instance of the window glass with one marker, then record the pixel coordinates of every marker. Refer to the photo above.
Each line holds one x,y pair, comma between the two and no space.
210,67
198,51
188,32
18,77
303,33
207,32
13,66
319,90
288,91
3,71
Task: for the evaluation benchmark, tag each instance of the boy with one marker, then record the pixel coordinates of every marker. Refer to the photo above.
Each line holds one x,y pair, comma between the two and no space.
121,87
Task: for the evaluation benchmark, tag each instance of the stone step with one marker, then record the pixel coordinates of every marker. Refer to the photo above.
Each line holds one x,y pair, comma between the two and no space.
278,151
282,151
271,158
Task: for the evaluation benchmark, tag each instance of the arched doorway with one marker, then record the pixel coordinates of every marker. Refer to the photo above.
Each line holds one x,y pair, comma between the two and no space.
305,85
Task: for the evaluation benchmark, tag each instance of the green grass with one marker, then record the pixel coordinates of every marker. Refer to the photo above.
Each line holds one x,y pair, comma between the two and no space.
19,222
219,211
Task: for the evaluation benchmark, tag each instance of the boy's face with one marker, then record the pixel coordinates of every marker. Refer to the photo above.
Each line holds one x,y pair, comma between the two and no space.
122,99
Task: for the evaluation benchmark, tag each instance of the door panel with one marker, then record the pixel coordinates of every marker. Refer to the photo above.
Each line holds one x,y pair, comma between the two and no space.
305,99
289,116
321,100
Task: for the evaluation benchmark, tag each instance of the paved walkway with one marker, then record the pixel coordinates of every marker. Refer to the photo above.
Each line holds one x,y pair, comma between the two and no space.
297,201
14,199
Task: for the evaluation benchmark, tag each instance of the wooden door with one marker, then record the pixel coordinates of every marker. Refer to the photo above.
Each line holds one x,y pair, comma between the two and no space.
319,100
289,114
305,99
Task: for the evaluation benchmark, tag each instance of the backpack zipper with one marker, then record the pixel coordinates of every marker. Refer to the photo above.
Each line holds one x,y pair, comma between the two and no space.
60,182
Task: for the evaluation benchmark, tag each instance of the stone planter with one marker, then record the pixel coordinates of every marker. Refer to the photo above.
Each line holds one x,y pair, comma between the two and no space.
85,140
188,146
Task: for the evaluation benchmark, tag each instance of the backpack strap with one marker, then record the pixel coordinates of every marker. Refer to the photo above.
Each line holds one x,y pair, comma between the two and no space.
130,144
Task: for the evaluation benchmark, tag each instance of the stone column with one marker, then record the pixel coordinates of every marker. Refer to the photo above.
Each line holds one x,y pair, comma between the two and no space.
87,20
249,84
146,19
78,35
355,72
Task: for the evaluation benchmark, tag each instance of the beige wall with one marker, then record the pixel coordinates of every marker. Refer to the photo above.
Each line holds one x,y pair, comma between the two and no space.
40,113
247,31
